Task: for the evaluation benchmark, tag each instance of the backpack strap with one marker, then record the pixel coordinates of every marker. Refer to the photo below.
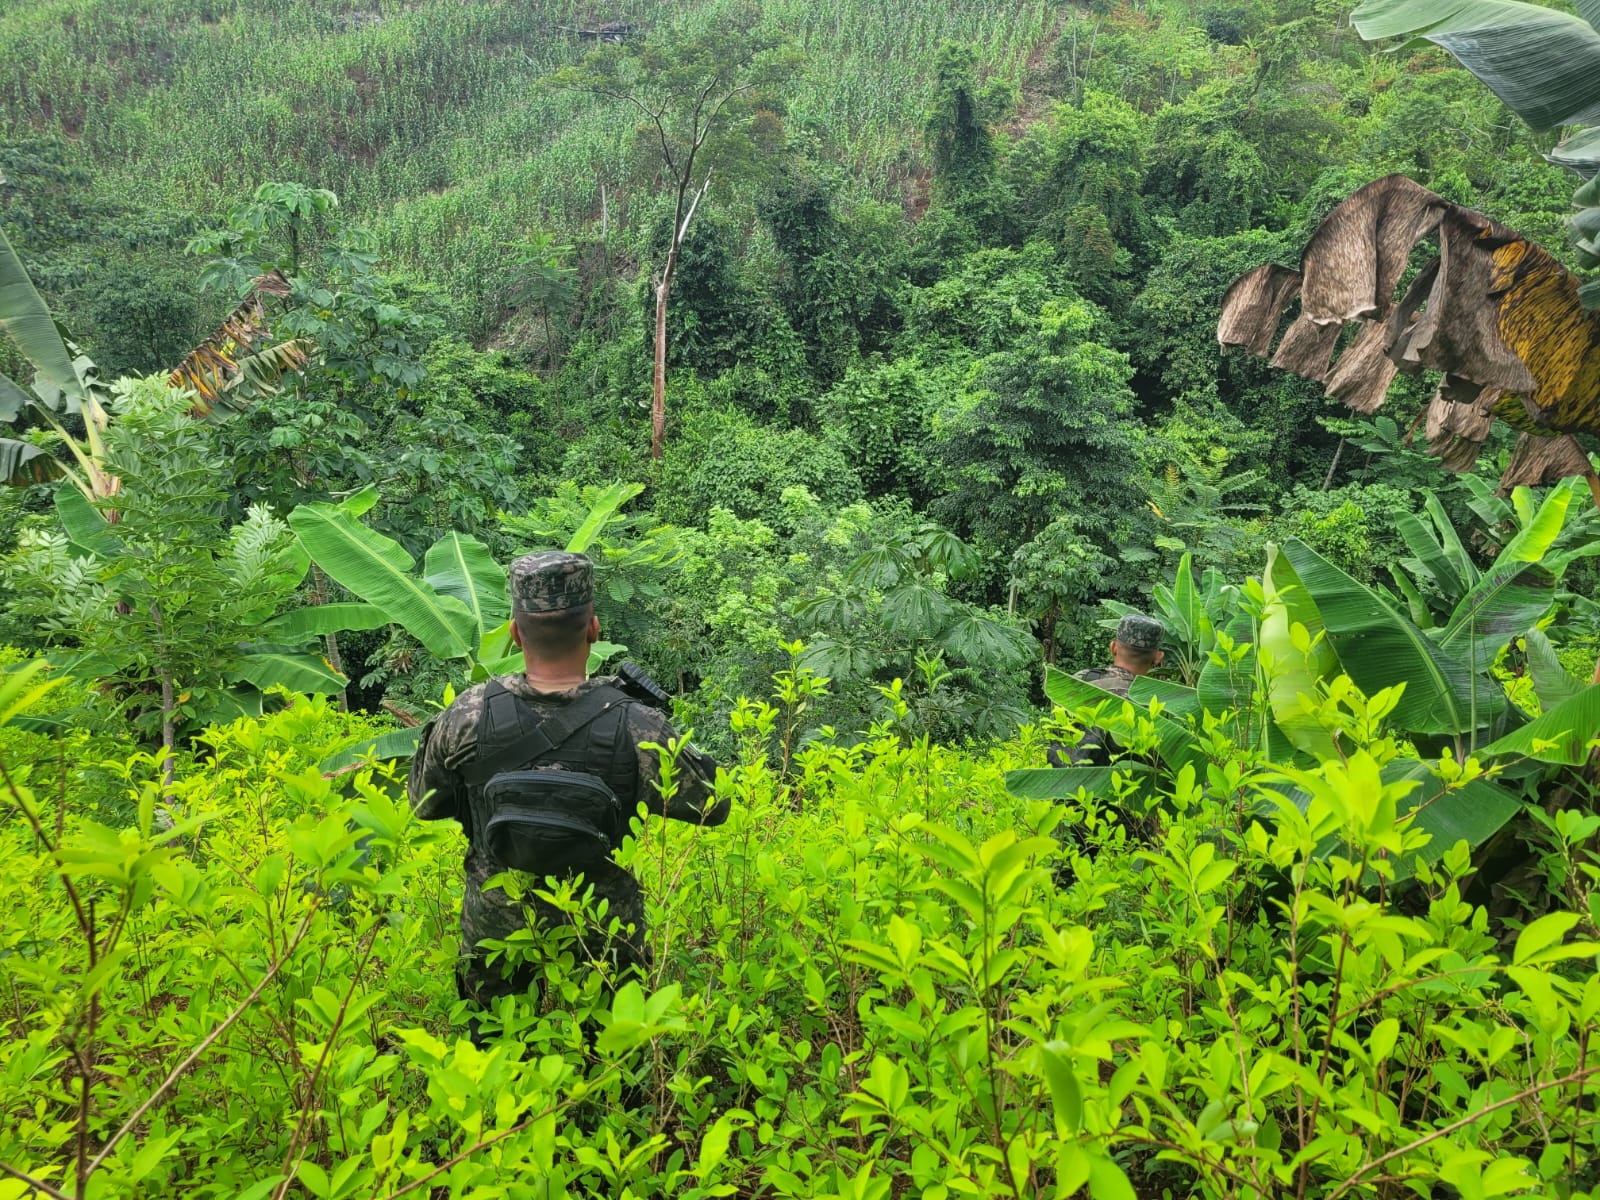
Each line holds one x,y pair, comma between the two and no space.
512,734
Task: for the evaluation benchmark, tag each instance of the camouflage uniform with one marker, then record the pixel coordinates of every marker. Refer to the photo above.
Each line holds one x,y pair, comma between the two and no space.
438,791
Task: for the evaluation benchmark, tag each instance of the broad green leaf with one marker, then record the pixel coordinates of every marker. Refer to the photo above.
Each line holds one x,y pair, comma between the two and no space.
1176,743
358,504
599,653
496,643
305,673
13,400
462,567
1533,541
1066,1096
318,620
1509,599
1547,931
85,526
228,705
611,499
1378,648
1431,558
378,570
914,609
1551,682
1292,670
22,686
23,463
397,743
1543,64
1421,614
1177,699
1561,735
25,318
1063,783
981,641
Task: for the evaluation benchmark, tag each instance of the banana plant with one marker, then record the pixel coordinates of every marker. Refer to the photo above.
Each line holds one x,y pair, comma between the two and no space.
63,385
1542,63
1308,625
236,363
1440,573
458,606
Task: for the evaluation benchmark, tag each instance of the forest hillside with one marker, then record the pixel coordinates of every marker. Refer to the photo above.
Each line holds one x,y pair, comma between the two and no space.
870,349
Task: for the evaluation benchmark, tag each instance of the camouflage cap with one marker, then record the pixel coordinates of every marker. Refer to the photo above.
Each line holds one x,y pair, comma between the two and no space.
551,581
1139,632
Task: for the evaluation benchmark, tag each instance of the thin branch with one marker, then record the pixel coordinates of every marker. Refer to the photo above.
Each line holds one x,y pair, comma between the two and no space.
484,1144
37,1184
205,1043
291,1164
683,230
1462,1123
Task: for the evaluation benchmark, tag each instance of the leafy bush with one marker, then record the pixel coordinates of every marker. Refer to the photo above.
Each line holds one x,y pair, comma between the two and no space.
869,981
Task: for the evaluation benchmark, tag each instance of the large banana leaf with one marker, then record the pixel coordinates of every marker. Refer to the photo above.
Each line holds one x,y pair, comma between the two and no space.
1562,735
1539,531
1378,647
1175,741
1439,554
1551,683
1509,599
23,463
1063,783
1294,663
462,567
1544,64
85,526
397,743
378,569
24,316
1179,700
319,620
611,499
298,672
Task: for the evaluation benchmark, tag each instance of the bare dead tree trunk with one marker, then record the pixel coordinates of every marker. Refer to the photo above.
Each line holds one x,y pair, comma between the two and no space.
658,398
1327,480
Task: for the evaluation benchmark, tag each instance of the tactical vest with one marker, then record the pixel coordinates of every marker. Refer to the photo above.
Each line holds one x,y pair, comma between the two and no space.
528,816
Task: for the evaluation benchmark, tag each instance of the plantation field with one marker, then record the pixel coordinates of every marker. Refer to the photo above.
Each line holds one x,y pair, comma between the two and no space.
427,118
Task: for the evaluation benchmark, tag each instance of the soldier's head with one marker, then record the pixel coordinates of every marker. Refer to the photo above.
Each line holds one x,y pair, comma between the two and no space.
552,606
1137,646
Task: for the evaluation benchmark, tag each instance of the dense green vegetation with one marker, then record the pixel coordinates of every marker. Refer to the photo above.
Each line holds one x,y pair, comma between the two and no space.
940,396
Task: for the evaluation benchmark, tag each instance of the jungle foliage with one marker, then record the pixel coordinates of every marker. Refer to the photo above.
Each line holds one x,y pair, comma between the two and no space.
869,348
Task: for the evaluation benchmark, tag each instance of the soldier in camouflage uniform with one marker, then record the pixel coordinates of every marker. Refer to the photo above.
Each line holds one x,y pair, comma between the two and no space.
553,621
1135,651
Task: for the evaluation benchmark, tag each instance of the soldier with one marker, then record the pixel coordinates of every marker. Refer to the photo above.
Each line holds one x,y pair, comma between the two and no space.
1135,651
500,760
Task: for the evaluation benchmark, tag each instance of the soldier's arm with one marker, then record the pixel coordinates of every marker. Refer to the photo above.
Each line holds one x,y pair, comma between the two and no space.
696,774
435,789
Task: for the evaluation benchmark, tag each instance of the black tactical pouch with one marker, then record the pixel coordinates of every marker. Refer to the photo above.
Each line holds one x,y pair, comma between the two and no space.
551,822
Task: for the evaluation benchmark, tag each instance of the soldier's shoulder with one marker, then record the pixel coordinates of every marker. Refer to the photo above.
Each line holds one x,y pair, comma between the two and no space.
1091,674
455,730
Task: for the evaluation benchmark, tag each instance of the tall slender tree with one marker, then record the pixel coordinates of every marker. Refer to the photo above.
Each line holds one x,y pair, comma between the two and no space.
706,107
